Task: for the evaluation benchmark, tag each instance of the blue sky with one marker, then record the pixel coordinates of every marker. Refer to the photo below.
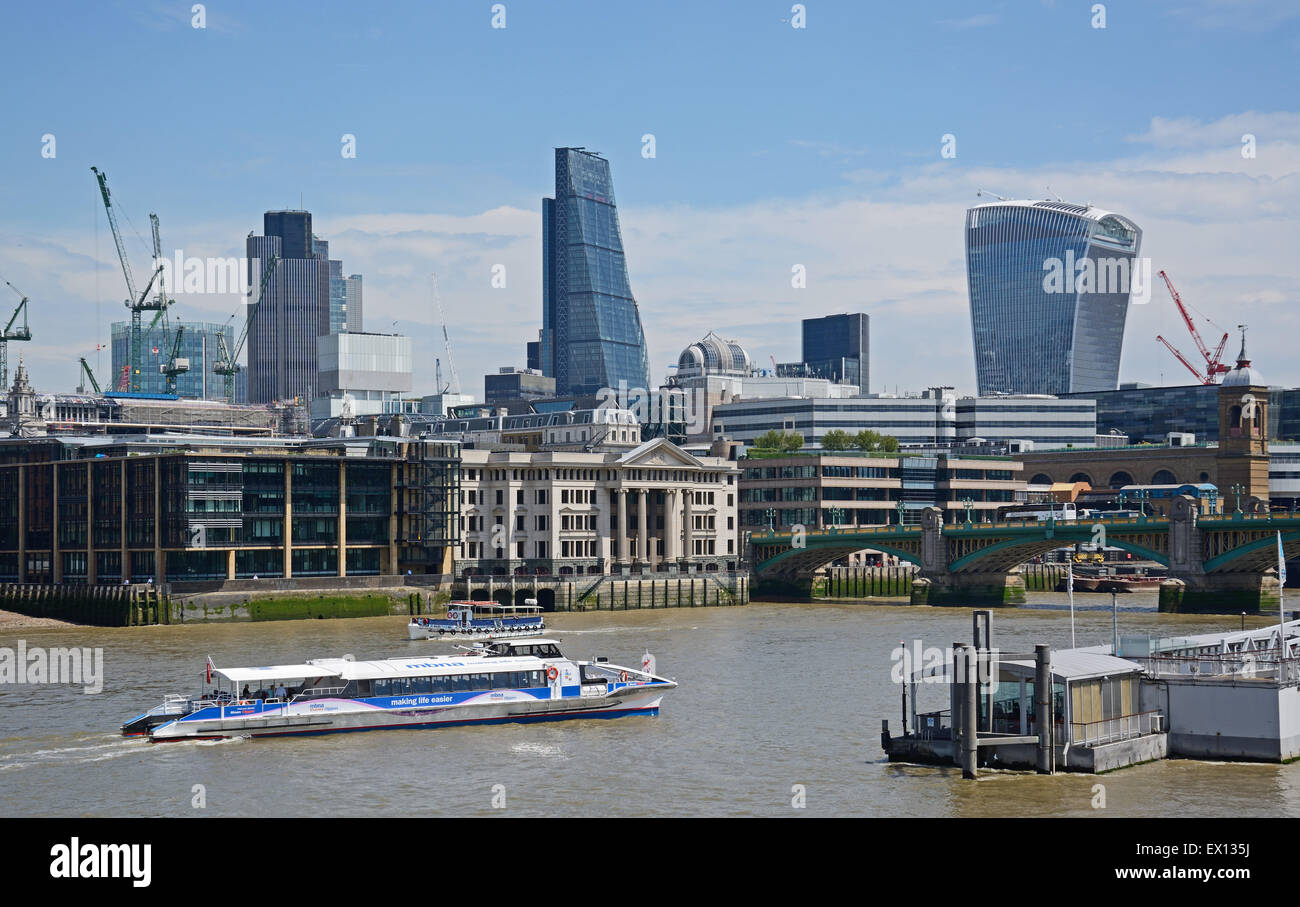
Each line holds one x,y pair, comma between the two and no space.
774,146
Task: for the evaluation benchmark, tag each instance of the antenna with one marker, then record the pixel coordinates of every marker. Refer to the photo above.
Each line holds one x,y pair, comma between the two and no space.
446,339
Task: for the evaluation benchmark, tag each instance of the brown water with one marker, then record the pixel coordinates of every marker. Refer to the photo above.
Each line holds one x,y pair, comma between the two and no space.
771,696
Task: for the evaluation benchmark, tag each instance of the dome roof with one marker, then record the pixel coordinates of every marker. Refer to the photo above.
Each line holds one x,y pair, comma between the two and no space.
1243,375
713,356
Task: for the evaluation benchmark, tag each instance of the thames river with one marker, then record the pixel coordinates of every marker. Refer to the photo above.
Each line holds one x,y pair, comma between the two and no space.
778,712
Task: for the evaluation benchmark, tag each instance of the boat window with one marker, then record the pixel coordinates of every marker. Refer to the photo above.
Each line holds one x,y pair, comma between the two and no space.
504,680
440,684
460,683
535,679
482,682
400,686
383,687
420,685
365,689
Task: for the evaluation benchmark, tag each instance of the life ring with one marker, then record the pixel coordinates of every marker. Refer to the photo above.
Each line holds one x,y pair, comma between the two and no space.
552,672
623,676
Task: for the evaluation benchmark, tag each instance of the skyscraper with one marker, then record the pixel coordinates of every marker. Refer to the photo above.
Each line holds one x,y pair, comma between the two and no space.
1049,292
295,309
838,347
591,329
198,344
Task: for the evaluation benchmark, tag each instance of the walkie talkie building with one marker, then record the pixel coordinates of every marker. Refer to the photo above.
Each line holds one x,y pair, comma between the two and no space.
1050,285
591,329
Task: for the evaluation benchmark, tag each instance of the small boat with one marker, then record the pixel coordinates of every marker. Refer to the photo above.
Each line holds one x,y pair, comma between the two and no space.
518,680
480,621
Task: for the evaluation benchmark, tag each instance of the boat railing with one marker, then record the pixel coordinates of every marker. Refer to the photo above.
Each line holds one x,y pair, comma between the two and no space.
313,693
1121,727
1221,665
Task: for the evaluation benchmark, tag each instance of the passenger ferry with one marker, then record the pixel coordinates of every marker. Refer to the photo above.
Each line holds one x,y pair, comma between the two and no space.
491,683
480,620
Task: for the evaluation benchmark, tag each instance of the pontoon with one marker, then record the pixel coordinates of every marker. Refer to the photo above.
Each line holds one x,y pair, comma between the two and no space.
480,621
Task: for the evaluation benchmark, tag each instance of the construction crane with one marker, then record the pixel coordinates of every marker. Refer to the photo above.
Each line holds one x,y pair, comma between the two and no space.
227,363
1214,366
446,339
12,333
90,376
175,364
136,302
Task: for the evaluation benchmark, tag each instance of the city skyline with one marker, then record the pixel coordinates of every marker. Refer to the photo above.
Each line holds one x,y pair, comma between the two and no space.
714,222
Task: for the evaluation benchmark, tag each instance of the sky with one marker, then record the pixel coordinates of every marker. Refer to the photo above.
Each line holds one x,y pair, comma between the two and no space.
774,146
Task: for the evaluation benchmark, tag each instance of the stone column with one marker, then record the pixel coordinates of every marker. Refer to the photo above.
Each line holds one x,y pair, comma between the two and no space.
688,518
621,536
230,564
670,525
642,505
652,538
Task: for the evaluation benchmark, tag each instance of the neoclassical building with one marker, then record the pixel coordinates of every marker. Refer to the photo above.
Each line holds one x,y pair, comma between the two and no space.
649,509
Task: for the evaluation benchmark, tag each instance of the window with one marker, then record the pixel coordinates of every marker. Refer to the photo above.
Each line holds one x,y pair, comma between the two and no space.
501,498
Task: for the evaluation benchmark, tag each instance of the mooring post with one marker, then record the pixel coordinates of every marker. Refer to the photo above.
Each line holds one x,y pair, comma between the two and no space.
970,716
1043,706
983,627
956,698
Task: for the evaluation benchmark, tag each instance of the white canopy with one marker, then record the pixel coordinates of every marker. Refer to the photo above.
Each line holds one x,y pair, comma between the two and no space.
274,672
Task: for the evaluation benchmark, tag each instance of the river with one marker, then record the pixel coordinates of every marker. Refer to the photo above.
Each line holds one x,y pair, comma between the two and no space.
778,713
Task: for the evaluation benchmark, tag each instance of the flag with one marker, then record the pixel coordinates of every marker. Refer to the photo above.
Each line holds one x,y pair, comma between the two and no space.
209,670
1069,579
1281,560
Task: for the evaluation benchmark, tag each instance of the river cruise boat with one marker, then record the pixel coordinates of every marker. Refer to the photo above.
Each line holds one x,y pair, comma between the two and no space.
501,681
480,621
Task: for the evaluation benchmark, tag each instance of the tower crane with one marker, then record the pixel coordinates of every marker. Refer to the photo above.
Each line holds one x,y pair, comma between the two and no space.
227,362
90,376
446,339
1214,365
12,333
174,365
136,302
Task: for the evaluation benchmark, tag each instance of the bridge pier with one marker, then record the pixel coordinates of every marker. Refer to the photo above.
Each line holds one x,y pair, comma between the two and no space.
1230,593
996,590
781,587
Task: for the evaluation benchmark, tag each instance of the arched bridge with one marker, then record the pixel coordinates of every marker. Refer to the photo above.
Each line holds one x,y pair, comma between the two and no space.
1224,561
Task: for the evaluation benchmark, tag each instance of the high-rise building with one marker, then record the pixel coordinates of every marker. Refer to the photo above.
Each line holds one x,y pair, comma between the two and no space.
591,329
1049,293
295,309
198,344
352,298
838,347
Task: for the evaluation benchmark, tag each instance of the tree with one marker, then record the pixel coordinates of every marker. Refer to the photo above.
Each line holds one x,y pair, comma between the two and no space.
769,440
867,440
791,441
835,439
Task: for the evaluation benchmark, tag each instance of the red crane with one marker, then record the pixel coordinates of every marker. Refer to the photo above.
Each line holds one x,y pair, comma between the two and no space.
1214,366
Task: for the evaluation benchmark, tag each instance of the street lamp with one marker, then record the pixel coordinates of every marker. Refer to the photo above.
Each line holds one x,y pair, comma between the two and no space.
900,512
1237,489
837,516
771,516
969,503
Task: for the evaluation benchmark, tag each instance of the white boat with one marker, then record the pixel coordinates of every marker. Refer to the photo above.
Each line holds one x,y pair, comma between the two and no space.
480,621
502,681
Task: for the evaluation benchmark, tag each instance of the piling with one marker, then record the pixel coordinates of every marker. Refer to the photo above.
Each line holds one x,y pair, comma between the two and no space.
970,713
1043,706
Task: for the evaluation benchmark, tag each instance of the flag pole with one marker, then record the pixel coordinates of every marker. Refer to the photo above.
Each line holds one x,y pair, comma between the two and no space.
1069,588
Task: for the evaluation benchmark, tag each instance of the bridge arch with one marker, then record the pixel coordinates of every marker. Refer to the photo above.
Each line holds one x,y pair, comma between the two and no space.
1255,556
1007,554
819,554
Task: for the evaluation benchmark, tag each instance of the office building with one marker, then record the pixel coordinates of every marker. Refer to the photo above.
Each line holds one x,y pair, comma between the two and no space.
363,374
177,509
836,347
591,328
345,292
936,418
824,489
1050,286
199,344
295,310
649,509
510,384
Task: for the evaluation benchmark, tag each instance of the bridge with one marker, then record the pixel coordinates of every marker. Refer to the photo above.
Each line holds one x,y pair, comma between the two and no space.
1217,563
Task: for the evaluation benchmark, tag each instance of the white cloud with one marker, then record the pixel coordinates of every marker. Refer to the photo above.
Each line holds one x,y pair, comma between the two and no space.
891,245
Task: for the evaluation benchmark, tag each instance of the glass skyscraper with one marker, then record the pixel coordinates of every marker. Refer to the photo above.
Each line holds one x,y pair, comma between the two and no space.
198,344
1049,293
591,329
